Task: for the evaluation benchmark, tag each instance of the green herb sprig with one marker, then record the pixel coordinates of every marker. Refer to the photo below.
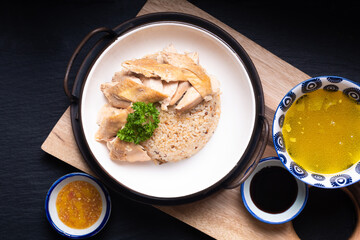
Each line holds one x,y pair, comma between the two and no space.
140,124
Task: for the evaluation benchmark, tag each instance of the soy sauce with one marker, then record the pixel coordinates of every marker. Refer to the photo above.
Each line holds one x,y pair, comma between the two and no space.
273,189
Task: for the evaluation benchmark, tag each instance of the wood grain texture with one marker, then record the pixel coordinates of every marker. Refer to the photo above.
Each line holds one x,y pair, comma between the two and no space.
223,215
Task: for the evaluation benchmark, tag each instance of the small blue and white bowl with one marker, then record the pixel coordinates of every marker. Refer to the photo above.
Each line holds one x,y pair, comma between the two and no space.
328,83
273,218
52,214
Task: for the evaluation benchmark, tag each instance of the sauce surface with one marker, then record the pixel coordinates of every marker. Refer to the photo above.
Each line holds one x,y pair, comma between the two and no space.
273,189
79,204
322,132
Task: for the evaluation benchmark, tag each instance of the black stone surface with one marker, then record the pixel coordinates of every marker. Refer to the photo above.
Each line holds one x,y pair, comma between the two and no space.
36,42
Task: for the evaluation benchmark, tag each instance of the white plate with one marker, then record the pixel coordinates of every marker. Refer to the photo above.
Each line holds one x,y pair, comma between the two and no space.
234,131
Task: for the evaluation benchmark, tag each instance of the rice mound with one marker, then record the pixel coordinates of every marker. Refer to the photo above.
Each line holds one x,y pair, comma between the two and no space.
181,135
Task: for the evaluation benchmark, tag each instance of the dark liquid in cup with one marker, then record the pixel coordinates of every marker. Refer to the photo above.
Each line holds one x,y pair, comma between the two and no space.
273,189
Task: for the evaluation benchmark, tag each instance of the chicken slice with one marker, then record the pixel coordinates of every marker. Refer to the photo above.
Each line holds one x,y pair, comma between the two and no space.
125,151
112,97
110,120
153,83
169,89
201,83
127,90
122,74
171,48
215,84
151,68
181,89
194,56
189,100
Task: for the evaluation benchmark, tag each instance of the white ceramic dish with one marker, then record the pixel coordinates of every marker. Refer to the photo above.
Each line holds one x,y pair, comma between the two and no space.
52,214
225,148
278,218
328,83
238,135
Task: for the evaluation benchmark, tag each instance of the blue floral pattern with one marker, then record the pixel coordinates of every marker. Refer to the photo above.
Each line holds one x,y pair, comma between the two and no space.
340,180
311,85
353,93
282,158
279,142
281,120
331,88
334,79
287,101
297,170
318,177
357,168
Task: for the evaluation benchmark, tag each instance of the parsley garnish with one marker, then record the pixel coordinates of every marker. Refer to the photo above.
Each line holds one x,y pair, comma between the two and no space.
140,124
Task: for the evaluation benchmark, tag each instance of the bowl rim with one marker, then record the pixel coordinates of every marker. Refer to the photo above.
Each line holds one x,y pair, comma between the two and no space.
218,32
106,216
274,140
273,158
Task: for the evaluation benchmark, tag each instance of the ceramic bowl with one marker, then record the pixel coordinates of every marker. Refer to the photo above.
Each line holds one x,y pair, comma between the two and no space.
202,174
328,83
272,218
52,214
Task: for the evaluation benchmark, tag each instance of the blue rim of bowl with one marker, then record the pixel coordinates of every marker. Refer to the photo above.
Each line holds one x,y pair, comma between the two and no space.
104,221
266,221
273,134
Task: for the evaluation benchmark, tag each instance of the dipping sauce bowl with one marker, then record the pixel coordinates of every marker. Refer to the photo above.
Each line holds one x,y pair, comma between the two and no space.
77,205
271,194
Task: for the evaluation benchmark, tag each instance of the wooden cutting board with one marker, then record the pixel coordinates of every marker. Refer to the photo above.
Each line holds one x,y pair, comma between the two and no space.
223,215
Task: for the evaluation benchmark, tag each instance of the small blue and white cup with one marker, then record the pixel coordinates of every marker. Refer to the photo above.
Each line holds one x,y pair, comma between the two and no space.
52,214
273,218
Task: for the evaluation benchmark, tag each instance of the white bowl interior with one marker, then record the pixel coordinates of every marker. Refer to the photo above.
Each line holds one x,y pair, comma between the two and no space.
335,180
231,137
286,216
54,214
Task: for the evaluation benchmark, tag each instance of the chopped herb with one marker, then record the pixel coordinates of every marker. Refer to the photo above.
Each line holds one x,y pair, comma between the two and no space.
140,124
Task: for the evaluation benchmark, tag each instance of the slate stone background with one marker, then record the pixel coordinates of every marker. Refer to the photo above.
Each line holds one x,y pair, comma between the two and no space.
36,42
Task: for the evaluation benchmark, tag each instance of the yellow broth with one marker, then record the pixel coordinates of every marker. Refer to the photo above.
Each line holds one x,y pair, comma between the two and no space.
322,132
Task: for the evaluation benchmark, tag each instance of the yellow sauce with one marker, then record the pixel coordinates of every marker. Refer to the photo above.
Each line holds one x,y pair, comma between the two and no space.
322,132
79,204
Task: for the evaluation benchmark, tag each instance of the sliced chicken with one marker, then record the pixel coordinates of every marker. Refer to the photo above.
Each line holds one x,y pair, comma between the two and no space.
153,83
122,74
194,56
125,151
151,68
110,120
168,89
215,84
112,97
201,82
171,49
127,90
191,98
181,89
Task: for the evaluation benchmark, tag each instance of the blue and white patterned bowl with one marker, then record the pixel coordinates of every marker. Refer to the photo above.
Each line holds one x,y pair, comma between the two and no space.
52,215
329,83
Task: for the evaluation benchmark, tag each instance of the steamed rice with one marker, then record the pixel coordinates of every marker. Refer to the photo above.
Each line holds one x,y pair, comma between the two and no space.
180,136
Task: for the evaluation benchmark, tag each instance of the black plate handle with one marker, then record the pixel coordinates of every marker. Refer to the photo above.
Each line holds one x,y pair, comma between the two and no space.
109,32
255,162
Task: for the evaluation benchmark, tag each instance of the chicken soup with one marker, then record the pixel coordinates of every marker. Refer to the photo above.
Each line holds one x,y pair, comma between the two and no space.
322,132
